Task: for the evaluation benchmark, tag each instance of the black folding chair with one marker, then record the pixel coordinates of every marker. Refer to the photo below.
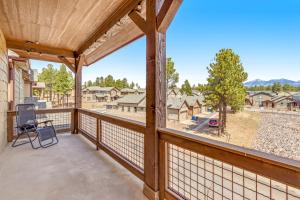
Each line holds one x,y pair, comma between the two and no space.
27,123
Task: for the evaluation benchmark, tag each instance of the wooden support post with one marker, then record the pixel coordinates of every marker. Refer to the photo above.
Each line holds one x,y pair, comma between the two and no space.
98,121
155,97
10,127
78,85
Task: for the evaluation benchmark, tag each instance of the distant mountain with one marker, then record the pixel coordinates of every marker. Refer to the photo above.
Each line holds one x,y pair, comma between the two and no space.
259,82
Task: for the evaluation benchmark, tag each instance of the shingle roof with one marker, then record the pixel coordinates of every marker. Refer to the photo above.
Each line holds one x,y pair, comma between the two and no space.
132,98
97,88
191,100
175,102
270,93
128,90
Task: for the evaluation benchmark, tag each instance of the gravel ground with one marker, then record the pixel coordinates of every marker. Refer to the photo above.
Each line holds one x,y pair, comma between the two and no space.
279,134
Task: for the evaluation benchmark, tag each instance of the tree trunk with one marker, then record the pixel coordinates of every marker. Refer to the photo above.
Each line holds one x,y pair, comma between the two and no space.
225,114
220,118
50,93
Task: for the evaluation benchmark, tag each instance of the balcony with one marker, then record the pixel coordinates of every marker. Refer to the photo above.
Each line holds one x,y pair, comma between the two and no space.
191,167
106,157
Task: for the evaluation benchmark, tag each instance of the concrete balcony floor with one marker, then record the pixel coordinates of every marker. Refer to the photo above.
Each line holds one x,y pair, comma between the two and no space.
70,170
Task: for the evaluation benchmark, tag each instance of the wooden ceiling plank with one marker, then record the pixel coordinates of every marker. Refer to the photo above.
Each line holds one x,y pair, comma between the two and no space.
166,14
138,20
32,47
120,12
67,63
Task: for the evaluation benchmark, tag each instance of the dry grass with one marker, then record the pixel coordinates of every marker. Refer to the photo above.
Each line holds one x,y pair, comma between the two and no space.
242,128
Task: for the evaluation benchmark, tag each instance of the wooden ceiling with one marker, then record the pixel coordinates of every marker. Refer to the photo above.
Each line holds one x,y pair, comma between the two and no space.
56,29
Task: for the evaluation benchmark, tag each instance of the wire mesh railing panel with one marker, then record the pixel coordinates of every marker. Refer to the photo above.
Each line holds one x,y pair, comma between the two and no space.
125,142
61,120
194,176
88,124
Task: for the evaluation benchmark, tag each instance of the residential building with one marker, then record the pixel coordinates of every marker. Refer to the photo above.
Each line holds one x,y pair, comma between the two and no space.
256,99
20,80
100,94
177,109
132,103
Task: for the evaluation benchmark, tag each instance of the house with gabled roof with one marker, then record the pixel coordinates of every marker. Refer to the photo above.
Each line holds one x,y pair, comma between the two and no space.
194,105
177,109
132,103
100,94
257,98
174,92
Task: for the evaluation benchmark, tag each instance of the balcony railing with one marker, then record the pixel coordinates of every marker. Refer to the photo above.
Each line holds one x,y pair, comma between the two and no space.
191,167
194,167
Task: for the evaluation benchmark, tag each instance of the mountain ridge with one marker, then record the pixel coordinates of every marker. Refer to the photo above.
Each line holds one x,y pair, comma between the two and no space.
282,81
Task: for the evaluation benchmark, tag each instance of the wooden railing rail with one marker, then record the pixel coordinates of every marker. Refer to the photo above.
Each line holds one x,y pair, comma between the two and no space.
120,138
63,120
274,168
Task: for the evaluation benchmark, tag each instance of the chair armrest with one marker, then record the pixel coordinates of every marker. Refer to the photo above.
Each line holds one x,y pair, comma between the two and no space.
46,121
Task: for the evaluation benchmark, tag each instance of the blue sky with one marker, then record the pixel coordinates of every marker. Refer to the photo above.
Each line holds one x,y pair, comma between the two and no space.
265,33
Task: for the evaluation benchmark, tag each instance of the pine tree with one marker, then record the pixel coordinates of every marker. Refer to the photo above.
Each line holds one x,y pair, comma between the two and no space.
225,84
171,75
186,88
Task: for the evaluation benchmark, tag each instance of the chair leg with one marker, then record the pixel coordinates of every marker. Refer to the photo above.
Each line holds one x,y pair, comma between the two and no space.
31,141
14,143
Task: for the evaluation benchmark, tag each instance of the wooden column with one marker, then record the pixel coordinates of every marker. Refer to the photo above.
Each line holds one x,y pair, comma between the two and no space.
78,85
155,97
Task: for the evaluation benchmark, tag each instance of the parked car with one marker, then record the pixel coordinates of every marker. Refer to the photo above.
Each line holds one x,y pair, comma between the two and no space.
214,123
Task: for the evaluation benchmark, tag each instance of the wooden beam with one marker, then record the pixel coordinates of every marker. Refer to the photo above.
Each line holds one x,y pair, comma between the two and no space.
44,57
80,62
155,97
67,63
166,14
41,49
78,80
138,20
120,12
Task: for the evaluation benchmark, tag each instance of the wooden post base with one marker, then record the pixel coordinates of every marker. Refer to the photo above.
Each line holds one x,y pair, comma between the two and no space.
149,193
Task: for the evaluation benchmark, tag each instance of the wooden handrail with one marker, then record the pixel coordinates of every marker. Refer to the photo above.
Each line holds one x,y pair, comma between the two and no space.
126,123
277,168
44,111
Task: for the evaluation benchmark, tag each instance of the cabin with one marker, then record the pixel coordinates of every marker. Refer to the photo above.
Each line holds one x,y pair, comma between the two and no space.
194,105
177,109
